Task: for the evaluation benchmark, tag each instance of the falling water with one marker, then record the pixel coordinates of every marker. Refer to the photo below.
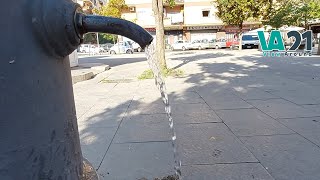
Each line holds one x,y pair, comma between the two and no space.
160,83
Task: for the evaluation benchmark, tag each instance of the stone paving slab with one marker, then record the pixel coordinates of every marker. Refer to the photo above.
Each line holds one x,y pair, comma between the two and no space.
223,100
137,161
190,118
193,109
144,128
210,144
251,122
299,97
279,108
233,104
186,97
103,117
286,157
307,127
253,93
174,98
95,142
314,107
138,107
240,171
280,84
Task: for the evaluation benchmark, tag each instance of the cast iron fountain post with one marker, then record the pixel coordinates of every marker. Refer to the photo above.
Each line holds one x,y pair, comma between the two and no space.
38,126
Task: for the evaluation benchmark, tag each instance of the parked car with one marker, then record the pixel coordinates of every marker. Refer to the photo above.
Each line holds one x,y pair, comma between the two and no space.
205,44
121,48
218,43
232,43
106,47
250,41
136,47
89,48
199,44
180,45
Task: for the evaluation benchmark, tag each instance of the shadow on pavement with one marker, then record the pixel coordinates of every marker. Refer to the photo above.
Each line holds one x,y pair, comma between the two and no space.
224,117
112,61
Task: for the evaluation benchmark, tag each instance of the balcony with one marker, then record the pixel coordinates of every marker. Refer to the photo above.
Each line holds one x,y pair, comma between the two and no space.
173,19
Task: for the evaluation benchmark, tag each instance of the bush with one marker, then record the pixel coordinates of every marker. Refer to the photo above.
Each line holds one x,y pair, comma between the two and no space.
148,74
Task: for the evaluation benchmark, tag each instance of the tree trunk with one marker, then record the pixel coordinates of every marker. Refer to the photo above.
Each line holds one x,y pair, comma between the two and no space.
157,7
240,37
318,53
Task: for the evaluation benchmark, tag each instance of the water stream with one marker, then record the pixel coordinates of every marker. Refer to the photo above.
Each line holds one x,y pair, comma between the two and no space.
160,83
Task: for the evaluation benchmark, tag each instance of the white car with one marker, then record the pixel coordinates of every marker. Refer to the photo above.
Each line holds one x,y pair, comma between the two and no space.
250,41
180,45
218,43
89,48
199,44
121,48
136,47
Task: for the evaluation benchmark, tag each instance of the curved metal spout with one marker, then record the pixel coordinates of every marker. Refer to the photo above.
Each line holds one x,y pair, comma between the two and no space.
90,23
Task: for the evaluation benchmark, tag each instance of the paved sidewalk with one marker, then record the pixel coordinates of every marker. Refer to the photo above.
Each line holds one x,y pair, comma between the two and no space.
237,116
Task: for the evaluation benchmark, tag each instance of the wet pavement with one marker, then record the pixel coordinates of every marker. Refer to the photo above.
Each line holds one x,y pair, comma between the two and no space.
237,115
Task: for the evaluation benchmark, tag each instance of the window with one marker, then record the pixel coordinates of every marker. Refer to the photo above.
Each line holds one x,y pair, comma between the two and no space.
205,13
204,41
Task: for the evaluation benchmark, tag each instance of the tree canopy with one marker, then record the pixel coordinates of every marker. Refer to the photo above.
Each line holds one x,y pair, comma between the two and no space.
235,12
114,8
294,12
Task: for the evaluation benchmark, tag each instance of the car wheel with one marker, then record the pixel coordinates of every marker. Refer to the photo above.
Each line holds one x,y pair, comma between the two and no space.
139,49
217,47
183,48
129,51
112,52
199,47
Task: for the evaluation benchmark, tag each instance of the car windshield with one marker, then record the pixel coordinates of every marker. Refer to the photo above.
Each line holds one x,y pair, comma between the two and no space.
249,37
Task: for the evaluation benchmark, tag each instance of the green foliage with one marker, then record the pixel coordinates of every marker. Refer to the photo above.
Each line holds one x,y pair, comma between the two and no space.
148,74
89,38
114,8
235,12
107,38
294,12
171,3
281,16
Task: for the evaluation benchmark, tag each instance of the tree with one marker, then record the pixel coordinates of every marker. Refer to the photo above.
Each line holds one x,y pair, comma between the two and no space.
158,9
114,8
235,12
296,13
306,11
281,16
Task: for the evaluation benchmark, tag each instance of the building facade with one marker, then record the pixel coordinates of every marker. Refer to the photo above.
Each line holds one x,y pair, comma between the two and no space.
188,20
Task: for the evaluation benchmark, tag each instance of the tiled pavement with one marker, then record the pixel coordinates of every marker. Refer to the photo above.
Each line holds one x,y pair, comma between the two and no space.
237,116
